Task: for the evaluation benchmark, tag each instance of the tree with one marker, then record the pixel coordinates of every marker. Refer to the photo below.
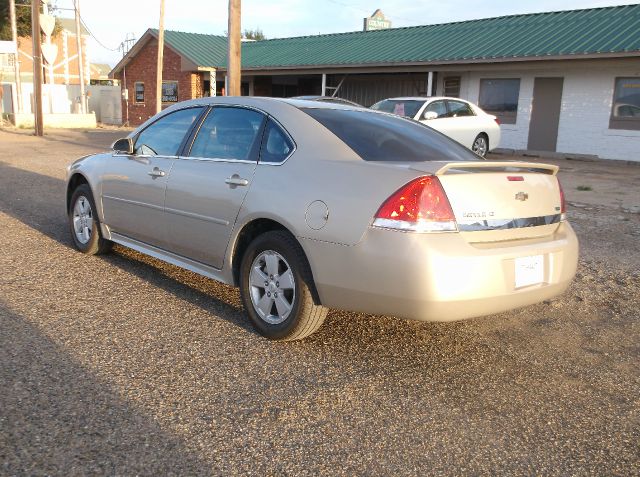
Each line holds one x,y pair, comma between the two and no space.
23,20
253,34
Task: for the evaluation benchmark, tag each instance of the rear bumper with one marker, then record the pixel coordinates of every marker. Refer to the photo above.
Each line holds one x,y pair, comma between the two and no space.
437,277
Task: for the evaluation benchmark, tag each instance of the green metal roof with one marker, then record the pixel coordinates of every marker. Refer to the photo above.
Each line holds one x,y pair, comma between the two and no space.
553,34
203,50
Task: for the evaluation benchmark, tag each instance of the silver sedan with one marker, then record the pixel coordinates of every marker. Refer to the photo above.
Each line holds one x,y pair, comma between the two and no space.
307,206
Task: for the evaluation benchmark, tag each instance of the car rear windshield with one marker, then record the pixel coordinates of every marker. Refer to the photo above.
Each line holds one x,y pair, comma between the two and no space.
383,137
402,107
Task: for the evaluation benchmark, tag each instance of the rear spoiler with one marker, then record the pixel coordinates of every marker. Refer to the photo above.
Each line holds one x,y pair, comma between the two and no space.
499,166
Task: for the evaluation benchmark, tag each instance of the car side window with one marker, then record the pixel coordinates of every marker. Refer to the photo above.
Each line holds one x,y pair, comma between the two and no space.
228,133
458,109
276,145
438,107
163,138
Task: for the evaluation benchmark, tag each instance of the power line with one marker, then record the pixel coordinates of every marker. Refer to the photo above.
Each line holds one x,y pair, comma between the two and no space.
56,8
95,38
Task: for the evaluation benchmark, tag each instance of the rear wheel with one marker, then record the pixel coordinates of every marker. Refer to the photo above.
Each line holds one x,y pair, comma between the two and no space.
85,228
276,288
481,145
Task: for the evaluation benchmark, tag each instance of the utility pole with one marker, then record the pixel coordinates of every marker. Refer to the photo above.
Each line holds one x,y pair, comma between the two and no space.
160,63
233,39
37,68
76,4
14,38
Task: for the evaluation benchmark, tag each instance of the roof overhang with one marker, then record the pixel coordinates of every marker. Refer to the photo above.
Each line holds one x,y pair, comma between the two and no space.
186,63
423,65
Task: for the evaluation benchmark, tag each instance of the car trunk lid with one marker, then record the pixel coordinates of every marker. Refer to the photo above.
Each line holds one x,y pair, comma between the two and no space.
495,201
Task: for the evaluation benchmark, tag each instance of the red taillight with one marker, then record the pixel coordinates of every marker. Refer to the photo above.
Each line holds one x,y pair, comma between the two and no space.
497,121
563,203
421,205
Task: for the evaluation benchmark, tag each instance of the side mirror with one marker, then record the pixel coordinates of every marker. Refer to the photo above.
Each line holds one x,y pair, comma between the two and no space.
123,146
430,115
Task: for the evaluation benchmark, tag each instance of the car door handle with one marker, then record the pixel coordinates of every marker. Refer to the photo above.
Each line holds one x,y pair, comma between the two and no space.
156,172
236,180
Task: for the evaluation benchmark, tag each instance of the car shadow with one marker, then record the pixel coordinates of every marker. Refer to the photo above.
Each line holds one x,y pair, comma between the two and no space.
38,200
57,417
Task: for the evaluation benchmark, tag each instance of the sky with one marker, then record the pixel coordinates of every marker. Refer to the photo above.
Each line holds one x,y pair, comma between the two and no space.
110,22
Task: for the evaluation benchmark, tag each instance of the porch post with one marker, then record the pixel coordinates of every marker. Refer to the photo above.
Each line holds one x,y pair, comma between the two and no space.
323,92
430,84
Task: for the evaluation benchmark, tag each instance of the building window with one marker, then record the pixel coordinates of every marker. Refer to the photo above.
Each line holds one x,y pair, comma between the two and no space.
139,96
625,111
500,98
169,91
452,86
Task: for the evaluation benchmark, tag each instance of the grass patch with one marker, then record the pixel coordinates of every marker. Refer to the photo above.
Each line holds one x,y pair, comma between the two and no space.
583,188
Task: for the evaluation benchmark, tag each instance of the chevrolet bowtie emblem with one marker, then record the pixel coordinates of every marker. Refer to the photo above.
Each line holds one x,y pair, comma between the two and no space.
522,196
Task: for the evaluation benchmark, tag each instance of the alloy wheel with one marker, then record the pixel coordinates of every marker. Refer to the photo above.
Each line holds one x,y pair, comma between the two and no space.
480,146
272,287
82,220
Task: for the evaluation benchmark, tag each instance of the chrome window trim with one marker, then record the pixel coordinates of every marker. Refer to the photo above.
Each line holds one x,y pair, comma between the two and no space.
143,156
215,159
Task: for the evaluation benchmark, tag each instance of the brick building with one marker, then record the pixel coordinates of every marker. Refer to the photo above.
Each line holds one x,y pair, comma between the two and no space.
182,78
566,81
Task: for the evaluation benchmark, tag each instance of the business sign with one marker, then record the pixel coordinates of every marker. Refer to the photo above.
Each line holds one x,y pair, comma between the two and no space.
377,21
169,91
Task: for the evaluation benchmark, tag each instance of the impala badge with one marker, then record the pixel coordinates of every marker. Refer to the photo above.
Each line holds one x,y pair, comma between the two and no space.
522,196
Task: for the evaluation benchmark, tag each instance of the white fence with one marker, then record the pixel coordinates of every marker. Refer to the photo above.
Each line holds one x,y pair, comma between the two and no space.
65,99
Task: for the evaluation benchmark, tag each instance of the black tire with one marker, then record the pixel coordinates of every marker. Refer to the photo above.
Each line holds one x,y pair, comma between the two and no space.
481,145
306,315
96,243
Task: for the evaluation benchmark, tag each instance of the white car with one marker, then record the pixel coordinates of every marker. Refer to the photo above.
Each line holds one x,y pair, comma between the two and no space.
461,120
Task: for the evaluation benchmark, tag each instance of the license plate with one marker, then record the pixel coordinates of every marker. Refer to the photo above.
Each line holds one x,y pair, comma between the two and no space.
529,270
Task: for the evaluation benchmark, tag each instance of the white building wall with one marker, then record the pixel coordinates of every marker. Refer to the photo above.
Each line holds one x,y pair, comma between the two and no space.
587,99
586,106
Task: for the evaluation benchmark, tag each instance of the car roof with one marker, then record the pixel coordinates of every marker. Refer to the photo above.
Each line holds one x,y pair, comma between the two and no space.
424,98
258,101
337,99
266,104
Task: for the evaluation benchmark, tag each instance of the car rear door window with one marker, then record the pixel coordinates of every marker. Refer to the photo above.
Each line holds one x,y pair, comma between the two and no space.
438,107
384,137
229,133
459,109
276,145
164,137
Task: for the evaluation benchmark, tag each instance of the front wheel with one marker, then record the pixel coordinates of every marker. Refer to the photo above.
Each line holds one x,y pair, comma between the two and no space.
276,288
481,145
83,221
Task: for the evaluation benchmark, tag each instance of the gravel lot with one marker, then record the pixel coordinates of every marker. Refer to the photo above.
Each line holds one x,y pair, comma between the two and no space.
125,365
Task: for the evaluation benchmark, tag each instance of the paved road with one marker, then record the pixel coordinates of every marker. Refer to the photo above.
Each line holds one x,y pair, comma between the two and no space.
124,365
